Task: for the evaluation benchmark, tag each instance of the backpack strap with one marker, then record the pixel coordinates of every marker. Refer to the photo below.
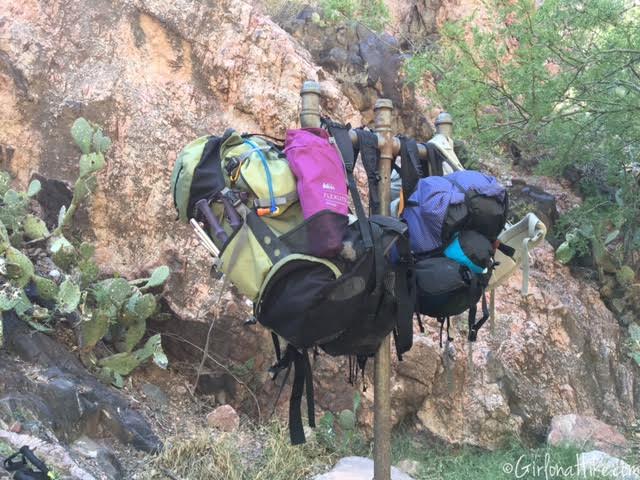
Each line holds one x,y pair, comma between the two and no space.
442,321
370,156
410,169
302,380
474,325
405,291
340,134
433,164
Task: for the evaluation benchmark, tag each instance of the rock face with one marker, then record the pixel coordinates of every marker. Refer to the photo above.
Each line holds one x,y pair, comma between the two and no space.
556,351
157,74
587,432
367,65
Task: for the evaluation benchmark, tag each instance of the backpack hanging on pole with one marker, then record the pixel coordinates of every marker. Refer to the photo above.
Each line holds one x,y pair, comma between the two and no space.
244,191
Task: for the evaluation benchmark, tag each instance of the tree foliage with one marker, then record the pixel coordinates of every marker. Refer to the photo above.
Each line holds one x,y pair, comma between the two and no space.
559,83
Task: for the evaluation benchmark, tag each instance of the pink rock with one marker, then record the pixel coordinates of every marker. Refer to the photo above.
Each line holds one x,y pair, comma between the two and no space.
587,432
224,418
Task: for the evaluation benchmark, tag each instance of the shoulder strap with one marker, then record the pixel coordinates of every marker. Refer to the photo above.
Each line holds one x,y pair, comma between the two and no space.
410,169
433,163
302,380
340,133
370,155
405,290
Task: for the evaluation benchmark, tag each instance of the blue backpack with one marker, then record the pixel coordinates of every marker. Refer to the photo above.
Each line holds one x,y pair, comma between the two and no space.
442,206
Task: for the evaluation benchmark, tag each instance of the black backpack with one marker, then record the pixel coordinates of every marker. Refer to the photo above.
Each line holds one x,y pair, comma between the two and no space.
346,306
453,265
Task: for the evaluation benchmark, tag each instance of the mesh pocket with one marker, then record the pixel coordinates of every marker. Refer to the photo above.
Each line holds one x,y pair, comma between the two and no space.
320,235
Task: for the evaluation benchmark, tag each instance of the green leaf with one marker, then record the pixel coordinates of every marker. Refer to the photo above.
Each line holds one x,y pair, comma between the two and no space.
565,253
112,291
158,277
34,188
23,305
91,163
611,237
160,359
68,296
82,133
4,238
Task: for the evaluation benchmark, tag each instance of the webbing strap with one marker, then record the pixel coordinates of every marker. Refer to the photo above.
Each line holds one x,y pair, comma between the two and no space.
301,377
405,291
434,165
410,169
345,148
272,246
474,325
370,155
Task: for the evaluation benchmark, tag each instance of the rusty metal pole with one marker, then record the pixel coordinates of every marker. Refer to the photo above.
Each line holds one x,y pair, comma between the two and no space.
382,365
310,111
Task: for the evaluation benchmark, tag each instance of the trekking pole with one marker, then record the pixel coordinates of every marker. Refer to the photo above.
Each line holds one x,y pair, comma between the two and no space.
382,364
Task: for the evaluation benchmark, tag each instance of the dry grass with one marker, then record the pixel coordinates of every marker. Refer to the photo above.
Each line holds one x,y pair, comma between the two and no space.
261,453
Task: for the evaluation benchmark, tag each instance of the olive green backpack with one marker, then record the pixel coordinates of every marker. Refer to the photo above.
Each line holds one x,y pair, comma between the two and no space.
219,179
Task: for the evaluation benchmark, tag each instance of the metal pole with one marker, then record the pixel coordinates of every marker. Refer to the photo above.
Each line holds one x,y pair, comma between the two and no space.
382,365
310,112
388,146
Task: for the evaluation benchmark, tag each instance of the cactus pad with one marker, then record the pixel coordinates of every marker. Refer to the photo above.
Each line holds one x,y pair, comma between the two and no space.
82,133
19,267
68,296
34,228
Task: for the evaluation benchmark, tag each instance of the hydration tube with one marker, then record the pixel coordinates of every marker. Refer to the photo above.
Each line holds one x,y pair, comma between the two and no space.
265,164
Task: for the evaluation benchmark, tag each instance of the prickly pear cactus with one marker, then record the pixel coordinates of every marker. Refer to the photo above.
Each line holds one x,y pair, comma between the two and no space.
34,228
46,288
112,308
18,267
347,420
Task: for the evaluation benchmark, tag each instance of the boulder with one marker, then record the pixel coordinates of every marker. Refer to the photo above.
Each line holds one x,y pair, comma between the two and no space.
55,393
582,432
357,468
602,465
224,418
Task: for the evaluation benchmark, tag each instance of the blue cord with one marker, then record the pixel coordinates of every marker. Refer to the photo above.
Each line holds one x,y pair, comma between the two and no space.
265,164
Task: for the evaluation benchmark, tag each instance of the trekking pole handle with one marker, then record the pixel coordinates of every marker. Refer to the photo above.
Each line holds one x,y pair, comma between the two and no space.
234,217
203,207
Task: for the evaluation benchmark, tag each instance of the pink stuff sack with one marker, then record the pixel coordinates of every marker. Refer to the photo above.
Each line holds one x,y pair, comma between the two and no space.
322,181
322,187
